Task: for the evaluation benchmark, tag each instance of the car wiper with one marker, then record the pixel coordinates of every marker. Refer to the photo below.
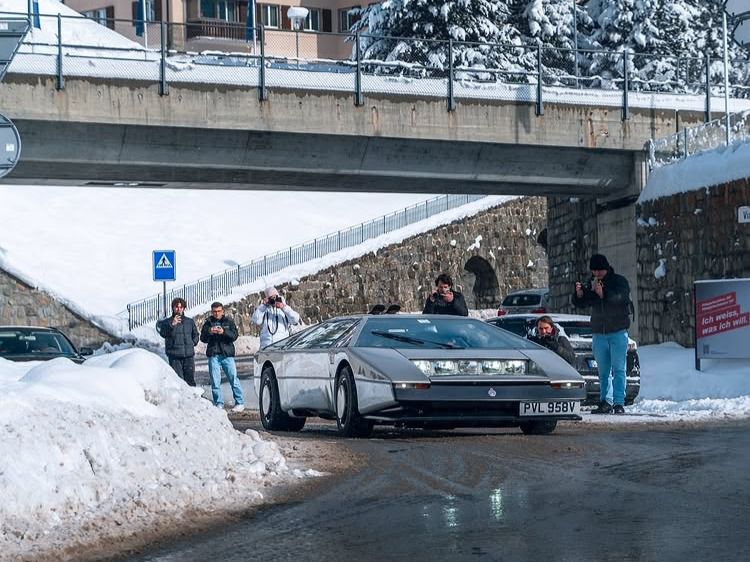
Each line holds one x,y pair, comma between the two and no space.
415,341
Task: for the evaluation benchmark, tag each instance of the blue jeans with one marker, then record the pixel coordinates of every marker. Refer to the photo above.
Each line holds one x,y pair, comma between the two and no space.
216,364
611,354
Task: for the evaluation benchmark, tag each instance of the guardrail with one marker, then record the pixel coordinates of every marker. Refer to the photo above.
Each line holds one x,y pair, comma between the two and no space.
208,289
269,57
700,138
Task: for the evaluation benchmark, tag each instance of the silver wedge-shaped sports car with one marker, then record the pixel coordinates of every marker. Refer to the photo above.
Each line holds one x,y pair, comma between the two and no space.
414,370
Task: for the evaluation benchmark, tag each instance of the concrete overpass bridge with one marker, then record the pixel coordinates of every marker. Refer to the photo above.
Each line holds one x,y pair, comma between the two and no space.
124,132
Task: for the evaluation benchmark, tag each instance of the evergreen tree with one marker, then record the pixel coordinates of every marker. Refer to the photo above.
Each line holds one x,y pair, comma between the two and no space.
418,32
551,24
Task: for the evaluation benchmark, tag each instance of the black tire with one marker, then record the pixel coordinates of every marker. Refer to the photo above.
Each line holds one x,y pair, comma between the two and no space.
272,416
543,427
348,420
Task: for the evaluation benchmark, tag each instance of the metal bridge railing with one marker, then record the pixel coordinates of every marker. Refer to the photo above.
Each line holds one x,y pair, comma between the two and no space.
208,289
700,138
225,52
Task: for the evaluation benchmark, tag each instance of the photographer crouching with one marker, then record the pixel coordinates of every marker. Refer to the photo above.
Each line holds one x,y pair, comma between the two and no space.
274,317
547,334
444,300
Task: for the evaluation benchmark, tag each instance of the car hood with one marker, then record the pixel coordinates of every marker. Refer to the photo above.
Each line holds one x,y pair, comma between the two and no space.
43,357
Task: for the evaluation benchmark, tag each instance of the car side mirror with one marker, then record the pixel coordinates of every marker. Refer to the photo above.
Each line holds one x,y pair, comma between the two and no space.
86,351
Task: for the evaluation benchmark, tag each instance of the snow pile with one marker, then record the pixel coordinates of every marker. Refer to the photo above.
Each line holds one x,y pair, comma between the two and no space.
113,444
76,29
672,389
710,168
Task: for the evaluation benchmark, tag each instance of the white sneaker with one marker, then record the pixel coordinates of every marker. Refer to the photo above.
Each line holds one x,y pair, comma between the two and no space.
239,408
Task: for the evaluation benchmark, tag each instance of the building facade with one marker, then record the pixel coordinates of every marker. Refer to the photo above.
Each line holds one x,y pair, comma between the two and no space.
222,25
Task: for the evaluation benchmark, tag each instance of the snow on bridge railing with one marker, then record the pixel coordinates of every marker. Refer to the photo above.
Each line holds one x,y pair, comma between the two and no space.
165,53
209,289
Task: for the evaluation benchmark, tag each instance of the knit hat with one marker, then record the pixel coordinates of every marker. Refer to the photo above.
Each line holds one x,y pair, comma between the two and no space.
271,292
598,261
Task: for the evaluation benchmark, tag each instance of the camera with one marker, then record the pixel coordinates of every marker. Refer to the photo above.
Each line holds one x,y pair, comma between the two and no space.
273,300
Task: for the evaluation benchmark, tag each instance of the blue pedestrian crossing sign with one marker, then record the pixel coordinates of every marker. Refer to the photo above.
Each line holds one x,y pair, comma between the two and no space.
164,265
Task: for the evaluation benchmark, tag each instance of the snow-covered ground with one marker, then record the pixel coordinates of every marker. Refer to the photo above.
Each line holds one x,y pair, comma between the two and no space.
111,446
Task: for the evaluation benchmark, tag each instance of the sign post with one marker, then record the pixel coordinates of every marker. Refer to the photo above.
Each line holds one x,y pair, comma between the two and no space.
164,267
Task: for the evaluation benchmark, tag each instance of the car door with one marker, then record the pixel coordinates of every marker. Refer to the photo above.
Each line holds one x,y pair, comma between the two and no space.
308,365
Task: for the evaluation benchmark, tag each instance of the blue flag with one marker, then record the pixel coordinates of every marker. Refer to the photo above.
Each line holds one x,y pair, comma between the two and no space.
37,22
139,17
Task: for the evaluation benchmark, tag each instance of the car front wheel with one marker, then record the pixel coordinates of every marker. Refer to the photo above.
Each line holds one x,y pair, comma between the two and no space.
348,419
539,427
272,416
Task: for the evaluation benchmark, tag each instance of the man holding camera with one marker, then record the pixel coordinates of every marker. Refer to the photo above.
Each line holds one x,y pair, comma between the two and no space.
274,317
444,300
180,338
219,332
609,299
548,335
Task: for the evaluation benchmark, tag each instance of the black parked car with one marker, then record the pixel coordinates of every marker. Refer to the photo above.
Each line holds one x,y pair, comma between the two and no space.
578,330
32,343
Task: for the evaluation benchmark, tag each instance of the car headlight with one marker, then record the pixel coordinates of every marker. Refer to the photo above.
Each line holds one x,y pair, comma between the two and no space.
444,367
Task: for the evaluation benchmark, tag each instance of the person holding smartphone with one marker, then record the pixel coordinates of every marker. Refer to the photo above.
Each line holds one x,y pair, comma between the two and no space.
608,296
219,333
444,300
180,338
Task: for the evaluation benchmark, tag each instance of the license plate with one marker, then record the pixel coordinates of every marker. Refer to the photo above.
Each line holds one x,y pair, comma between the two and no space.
592,364
570,408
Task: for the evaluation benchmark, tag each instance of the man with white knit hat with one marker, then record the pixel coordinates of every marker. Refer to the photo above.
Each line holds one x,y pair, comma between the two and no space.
274,317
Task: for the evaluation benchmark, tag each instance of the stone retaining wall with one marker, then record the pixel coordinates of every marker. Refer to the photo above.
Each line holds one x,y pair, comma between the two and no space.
488,255
681,239
23,305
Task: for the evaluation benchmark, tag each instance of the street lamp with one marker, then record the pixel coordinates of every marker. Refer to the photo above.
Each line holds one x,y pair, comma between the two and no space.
297,15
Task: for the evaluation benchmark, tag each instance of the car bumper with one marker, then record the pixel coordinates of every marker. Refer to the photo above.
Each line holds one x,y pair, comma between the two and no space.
476,405
593,395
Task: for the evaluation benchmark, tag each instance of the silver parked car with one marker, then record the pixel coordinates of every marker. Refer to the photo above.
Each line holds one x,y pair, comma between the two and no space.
525,301
414,370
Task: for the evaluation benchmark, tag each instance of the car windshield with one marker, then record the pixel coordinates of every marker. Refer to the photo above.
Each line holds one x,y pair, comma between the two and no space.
30,343
523,299
576,328
450,332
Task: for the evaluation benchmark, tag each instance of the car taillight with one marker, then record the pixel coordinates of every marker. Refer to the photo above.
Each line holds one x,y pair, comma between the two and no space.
501,312
540,310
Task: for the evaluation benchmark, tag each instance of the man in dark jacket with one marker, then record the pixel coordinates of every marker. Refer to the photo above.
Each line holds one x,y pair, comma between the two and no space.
444,300
548,335
609,299
219,332
180,338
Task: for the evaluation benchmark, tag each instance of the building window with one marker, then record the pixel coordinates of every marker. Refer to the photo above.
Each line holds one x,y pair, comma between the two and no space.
102,16
314,21
348,17
153,10
269,15
219,9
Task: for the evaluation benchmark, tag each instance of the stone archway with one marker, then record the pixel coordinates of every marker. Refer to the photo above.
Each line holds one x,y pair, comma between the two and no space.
486,290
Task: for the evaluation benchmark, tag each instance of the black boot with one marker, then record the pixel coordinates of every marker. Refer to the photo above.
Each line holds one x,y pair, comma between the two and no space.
602,408
619,409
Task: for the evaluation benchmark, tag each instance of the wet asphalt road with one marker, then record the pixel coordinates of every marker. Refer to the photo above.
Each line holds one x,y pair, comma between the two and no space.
654,492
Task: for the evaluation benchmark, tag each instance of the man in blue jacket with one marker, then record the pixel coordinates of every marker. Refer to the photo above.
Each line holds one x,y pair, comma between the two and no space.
609,299
180,338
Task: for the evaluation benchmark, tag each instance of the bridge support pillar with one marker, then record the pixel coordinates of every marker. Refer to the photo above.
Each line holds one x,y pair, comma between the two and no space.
616,232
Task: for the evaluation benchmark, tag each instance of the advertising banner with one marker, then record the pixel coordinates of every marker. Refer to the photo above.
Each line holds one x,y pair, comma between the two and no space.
722,319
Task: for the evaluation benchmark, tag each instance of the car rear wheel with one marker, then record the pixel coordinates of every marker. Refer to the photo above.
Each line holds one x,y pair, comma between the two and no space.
539,427
272,416
348,419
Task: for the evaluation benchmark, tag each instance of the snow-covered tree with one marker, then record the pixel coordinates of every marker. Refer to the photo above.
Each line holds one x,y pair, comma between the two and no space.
418,31
551,24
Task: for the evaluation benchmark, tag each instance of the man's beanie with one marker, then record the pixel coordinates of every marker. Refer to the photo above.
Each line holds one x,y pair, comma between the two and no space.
598,261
